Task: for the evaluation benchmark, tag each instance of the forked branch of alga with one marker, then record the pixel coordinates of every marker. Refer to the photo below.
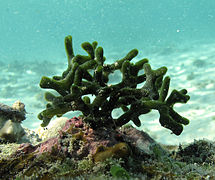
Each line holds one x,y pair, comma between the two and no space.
88,76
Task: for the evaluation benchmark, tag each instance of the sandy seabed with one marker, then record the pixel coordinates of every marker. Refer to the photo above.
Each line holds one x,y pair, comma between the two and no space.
191,67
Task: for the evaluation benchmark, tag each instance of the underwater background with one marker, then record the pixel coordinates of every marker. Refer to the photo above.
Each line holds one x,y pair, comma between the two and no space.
179,34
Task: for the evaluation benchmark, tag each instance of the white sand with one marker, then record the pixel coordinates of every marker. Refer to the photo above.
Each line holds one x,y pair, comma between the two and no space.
191,67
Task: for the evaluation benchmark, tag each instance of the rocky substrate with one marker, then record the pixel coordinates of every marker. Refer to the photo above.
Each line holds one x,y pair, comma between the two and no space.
77,151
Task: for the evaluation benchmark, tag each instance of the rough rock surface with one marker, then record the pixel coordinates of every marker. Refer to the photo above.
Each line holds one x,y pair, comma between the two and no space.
77,140
10,122
76,148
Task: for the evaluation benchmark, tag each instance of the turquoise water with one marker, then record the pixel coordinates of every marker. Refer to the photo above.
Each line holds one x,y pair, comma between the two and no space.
32,38
34,30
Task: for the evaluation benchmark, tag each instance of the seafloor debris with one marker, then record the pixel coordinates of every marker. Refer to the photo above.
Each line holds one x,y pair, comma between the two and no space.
77,142
10,121
80,152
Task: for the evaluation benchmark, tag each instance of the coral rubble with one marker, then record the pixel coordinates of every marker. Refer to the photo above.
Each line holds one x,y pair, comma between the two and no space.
10,122
77,142
81,152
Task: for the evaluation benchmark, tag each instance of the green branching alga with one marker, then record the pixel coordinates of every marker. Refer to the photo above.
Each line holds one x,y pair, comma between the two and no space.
89,75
